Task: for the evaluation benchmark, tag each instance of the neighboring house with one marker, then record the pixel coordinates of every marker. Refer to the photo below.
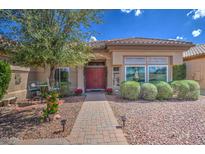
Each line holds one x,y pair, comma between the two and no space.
195,62
139,59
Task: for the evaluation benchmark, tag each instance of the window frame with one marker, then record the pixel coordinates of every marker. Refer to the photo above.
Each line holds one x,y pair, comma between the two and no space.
113,75
148,68
59,75
136,66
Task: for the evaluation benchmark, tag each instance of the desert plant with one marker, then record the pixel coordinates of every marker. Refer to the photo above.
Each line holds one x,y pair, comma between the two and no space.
179,72
148,91
130,90
186,89
52,105
5,77
165,91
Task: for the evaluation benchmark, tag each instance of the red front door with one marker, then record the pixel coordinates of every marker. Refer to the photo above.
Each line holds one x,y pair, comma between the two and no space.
95,78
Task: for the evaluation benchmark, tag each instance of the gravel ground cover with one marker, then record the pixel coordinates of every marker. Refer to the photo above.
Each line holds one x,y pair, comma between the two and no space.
24,123
167,122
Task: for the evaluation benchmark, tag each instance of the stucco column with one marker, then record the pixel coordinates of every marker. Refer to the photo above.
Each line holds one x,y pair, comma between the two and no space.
109,73
80,78
177,59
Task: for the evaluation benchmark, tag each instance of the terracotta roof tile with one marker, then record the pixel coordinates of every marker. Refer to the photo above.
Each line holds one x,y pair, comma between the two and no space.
138,41
198,50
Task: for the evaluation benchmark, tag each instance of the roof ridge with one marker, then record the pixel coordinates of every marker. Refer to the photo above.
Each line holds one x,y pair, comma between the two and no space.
116,39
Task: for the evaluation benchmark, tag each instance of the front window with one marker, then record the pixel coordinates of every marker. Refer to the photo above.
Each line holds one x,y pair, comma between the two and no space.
135,73
157,73
146,69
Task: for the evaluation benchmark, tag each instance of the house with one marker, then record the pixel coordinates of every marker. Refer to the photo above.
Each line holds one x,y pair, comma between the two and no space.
139,59
195,63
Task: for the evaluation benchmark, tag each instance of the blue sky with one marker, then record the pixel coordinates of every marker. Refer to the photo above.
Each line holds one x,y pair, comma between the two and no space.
187,25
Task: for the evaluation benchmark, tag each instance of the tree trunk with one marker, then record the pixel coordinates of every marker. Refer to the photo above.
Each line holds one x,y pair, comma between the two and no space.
51,77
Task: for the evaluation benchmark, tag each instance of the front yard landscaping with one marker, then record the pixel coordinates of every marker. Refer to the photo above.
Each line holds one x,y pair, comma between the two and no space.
25,122
161,122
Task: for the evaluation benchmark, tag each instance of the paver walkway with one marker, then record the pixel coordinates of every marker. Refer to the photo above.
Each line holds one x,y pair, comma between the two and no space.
96,123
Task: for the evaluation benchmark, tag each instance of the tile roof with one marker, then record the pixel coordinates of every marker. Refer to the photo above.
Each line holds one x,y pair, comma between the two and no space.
197,51
139,41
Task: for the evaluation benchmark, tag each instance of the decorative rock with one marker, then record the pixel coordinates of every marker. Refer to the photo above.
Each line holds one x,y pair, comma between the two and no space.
56,117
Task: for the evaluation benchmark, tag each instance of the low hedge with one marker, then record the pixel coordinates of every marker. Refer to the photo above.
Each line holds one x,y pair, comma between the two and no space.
148,91
130,90
5,77
186,89
165,91
182,89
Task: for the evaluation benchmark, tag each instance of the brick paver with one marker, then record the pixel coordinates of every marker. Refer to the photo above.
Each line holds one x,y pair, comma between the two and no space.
96,123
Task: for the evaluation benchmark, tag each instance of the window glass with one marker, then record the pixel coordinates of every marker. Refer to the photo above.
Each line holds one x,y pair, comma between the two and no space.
62,74
158,73
135,73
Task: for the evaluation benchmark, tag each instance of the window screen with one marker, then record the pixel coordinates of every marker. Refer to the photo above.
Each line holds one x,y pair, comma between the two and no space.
157,60
135,60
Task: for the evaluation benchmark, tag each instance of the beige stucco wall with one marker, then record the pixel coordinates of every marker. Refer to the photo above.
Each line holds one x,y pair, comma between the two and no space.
27,75
18,89
196,71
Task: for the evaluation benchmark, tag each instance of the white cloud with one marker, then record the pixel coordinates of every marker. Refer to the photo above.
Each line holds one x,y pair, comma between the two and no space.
200,13
138,12
190,12
196,33
92,39
179,38
126,10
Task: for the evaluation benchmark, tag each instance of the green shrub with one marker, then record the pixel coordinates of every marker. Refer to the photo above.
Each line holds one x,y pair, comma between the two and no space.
180,88
148,91
5,77
165,91
130,90
186,89
194,88
65,89
179,72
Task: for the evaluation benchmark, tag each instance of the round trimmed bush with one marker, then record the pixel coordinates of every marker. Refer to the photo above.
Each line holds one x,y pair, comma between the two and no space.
181,89
148,91
165,91
186,89
130,90
194,90
5,77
